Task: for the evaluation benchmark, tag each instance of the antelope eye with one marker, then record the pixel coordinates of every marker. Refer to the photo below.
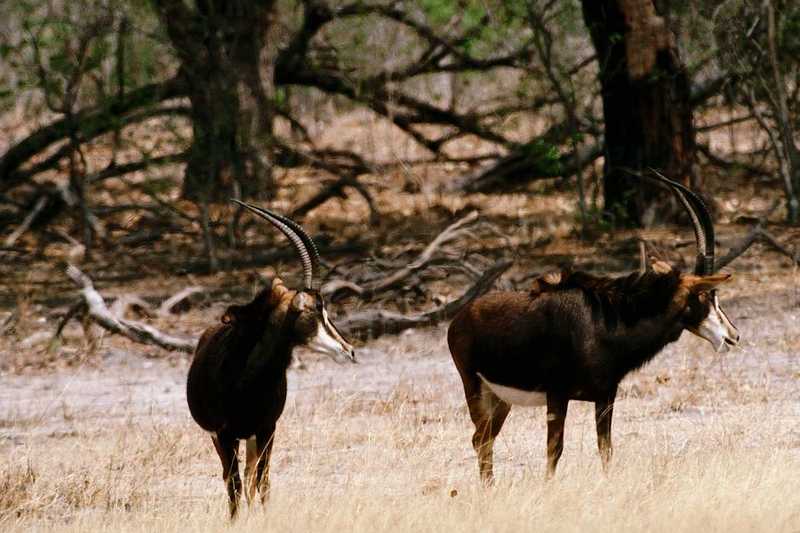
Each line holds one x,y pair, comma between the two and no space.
693,305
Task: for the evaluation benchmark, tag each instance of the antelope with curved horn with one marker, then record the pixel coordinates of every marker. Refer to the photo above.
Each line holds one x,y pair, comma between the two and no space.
237,381
574,336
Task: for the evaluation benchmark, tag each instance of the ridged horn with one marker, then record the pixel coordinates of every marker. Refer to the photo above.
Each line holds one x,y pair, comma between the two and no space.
310,246
701,221
305,247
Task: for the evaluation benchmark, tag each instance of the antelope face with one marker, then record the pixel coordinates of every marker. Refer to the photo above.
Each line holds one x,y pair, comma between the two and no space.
716,327
315,330
705,318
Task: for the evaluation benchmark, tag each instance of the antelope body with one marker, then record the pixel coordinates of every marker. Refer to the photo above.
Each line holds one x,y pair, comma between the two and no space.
575,336
236,387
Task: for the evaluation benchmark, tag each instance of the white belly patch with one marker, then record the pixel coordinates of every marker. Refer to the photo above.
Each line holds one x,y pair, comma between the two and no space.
515,396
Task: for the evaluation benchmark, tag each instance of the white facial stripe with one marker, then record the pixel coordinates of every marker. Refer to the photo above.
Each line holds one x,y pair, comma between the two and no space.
324,342
328,341
725,320
717,328
516,396
332,331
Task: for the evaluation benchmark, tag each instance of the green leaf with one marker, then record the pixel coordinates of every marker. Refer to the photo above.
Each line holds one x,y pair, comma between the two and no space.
60,63
438,11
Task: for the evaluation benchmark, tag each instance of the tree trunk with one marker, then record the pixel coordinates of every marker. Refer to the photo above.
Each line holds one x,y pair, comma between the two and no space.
227,66
645,90
780,104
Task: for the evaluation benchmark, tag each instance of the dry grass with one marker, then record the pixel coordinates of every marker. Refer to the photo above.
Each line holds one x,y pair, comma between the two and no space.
701,443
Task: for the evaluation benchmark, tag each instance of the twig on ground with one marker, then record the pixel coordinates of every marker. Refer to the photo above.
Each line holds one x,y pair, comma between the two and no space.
740,247
26,223
755,234
10,321
178,303
77,308
770,239
367,291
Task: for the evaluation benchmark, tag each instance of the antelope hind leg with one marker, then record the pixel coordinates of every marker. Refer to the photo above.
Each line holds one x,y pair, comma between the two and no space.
603,411
556,415
488,413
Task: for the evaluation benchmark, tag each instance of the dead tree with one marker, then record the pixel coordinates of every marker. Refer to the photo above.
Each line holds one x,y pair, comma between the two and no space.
646,102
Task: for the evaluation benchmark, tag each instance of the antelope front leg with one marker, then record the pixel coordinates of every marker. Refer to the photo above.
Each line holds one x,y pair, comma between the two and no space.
603,411
264,443
251,469
556,415
227,449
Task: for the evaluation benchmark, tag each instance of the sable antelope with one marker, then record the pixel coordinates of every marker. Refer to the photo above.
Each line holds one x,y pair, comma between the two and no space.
237,381
575,336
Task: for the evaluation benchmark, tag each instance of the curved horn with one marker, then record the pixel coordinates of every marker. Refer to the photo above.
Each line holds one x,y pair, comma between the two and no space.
308,254
309,243
701,220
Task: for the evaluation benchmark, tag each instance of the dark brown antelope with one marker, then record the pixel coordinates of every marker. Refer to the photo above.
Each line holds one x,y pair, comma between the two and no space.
237,381
575,336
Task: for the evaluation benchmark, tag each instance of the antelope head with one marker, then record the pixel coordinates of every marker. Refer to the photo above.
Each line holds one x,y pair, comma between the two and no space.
702,314
312,327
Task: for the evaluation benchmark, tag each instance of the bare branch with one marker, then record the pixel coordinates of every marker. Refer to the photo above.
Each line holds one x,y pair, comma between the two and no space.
135,331
451,232
178,302
373,324
26,223
93,122
754,235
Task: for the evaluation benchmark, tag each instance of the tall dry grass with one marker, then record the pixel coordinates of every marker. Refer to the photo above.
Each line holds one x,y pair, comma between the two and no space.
399,459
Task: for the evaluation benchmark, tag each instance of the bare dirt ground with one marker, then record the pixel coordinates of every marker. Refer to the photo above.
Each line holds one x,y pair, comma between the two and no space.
101,438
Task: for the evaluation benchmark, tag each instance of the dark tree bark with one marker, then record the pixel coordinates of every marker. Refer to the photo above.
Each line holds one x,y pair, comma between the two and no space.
648,115
226,64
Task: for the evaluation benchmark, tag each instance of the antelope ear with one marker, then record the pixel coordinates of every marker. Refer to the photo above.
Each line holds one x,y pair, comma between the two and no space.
277,293
545,281
231,314
704,283
552,278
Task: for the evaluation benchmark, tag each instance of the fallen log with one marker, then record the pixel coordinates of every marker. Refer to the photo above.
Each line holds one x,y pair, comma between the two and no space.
100,314
131,302
519,168
373,324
